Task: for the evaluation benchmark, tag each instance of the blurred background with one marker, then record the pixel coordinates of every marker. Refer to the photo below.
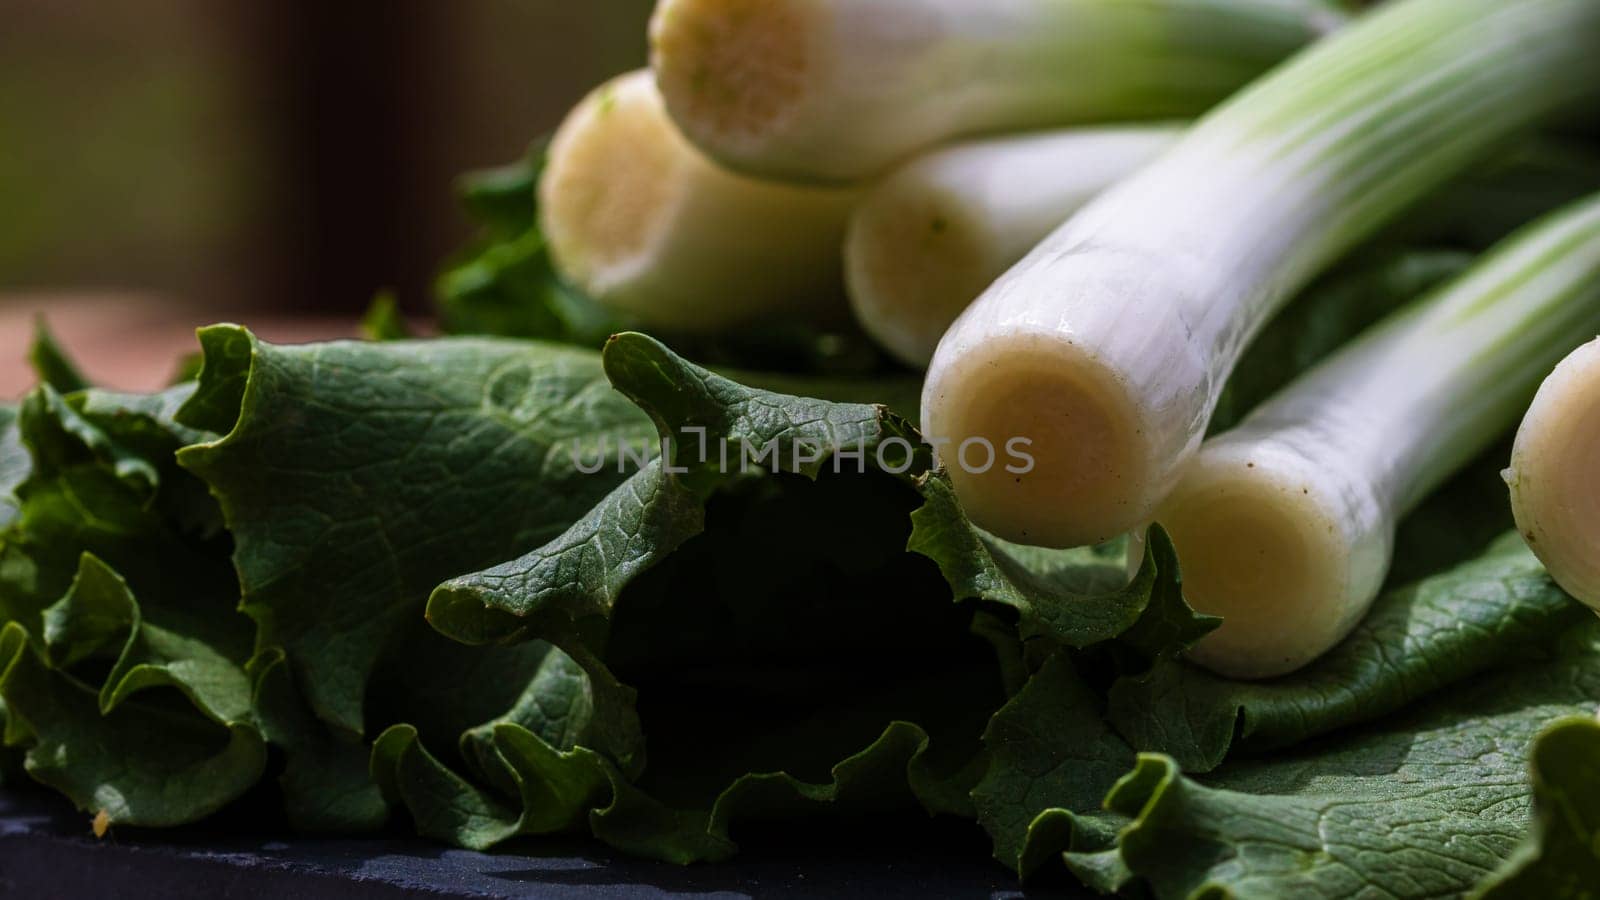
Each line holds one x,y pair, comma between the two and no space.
165,163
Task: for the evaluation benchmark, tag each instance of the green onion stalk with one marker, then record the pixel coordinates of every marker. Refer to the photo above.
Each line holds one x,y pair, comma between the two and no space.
1107,348
1284,525
844,89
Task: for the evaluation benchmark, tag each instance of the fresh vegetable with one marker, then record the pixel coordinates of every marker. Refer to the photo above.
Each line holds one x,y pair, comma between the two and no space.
1429,804
1107,346
764,635
1420,636
1555,474
931,237
504,283
122,656
843,89
927,240
641,222
13,463
510,585
1285,524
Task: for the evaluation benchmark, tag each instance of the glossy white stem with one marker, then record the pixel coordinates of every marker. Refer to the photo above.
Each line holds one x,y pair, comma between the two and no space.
844,89
1110,343
1555,475
645,224
928,239
1284,526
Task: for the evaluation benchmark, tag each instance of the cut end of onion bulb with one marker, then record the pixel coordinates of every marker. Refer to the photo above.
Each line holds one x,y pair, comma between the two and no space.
1555,475
1047,407
731,70
913,263
642,222
613,181
1289,565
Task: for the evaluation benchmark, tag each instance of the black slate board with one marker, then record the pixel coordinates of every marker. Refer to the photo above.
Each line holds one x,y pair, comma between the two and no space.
47,851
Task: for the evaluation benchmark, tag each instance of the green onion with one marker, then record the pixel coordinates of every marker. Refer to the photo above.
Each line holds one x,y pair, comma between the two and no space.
1107,347
843,89
1285,525
927,240
1555,475
646,225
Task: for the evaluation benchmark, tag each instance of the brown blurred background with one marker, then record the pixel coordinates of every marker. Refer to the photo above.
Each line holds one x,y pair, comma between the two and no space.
205,159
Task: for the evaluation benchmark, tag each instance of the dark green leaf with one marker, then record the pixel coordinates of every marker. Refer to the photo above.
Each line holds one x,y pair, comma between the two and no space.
383,320
505,285
555,790
104,482
1427,805
1169,625
1562,857
145,762
198,655
356,476
14,464
719,431
502,199
1052,759
1499,610
141,708
325,782
51,364
1077,597
654,589
1486,206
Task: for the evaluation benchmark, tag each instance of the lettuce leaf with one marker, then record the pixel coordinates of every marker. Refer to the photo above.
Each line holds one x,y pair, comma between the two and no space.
51,364
1560,858
1053,759
356,476
14,464
1077,597
651,595
383,320
121,659
353,478
102,480
369,473
505,285
606,591
1429,804
451,611
142,762
1498,610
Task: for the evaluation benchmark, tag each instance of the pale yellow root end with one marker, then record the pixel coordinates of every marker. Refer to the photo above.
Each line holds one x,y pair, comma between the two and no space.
1261,552
912,267
1091,466
612,182
1555,476
730,69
